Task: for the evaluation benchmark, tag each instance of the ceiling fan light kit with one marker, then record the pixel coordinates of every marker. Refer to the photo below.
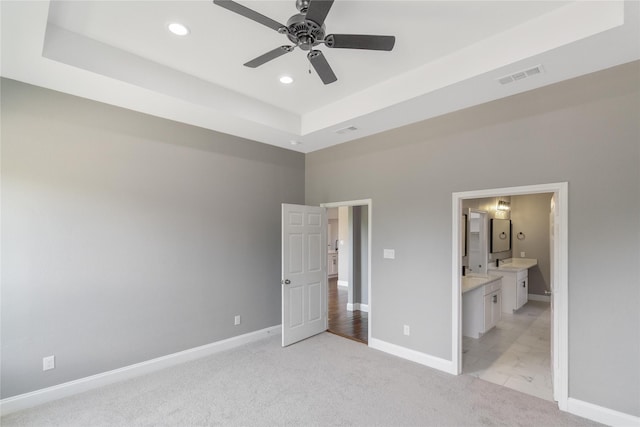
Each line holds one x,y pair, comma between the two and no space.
286,80
306,30
178,29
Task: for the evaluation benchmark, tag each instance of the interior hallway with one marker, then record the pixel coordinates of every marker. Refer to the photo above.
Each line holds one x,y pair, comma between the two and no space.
516,353
349,324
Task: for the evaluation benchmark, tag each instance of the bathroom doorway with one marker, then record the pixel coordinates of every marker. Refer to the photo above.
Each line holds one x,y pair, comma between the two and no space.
534,312
349,288
511,346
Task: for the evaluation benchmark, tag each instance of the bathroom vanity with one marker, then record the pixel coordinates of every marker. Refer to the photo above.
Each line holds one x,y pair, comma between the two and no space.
515,281
481,304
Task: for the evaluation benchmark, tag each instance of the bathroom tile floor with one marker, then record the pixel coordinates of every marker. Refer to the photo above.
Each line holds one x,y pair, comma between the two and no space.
516,353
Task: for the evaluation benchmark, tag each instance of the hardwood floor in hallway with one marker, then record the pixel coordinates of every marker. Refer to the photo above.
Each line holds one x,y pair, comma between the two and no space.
349,324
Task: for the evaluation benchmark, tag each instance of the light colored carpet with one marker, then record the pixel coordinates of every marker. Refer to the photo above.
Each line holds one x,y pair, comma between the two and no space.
323,381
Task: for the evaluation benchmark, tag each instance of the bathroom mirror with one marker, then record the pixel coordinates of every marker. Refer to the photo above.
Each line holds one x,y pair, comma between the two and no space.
500,235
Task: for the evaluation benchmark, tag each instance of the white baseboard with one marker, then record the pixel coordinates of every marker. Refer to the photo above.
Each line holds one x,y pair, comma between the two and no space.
415,356
343,283
601,414
536,297
357,306
38,397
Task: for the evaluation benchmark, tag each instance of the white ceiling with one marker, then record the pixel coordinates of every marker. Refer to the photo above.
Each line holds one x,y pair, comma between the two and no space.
448,55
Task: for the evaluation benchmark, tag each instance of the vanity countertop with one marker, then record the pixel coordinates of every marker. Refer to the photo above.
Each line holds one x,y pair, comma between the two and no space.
470,283
514,264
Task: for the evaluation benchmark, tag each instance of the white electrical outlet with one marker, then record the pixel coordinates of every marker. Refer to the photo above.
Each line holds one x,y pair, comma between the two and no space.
407,331
521,254
389,253
48,363
236,320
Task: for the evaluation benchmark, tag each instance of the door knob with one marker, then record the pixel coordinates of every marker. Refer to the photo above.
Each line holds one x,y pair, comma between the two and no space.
286,282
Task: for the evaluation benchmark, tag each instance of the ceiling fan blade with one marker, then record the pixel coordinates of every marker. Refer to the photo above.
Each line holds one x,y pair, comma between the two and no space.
273,54
318,10
321,66
248,13
359,41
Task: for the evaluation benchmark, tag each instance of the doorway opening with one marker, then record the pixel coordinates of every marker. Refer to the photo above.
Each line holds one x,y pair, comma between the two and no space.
531,317
348,270
510,344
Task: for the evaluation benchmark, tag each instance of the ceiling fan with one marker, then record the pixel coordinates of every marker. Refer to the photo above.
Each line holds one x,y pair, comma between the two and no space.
306,30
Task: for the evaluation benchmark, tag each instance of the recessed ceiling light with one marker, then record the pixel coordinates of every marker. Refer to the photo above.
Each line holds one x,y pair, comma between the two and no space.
294,142
178,29
286,80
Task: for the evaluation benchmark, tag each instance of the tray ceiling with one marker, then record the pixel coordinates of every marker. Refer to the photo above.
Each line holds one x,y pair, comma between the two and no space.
448,55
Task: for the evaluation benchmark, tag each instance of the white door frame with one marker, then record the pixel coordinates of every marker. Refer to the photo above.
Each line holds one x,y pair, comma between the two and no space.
369,204
560,274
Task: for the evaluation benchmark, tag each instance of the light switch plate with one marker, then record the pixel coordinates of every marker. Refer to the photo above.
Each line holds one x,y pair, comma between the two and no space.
389,253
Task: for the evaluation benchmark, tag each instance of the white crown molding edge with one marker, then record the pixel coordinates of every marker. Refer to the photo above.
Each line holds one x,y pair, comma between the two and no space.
48,394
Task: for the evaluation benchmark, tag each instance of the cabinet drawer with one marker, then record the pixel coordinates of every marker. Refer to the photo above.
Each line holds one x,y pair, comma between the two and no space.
492,287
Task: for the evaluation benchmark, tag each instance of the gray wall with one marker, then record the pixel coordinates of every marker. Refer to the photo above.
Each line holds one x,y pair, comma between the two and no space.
364,254
585,131
127,237
530,215
344,245
360,261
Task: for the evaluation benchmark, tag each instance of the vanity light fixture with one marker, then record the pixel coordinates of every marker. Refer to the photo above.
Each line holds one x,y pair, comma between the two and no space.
178,29
503,206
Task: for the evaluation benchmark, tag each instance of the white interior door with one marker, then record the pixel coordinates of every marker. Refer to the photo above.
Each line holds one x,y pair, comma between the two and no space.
304,272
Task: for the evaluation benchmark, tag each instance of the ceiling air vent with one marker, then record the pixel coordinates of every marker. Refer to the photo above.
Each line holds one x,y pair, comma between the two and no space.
521,75
346,130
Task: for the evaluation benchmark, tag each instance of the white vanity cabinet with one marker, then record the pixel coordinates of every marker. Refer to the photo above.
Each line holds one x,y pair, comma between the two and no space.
515,282
515,290
481,308
492,309
332,267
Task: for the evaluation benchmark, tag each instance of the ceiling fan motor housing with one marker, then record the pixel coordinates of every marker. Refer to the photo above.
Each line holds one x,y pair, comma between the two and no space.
304,32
